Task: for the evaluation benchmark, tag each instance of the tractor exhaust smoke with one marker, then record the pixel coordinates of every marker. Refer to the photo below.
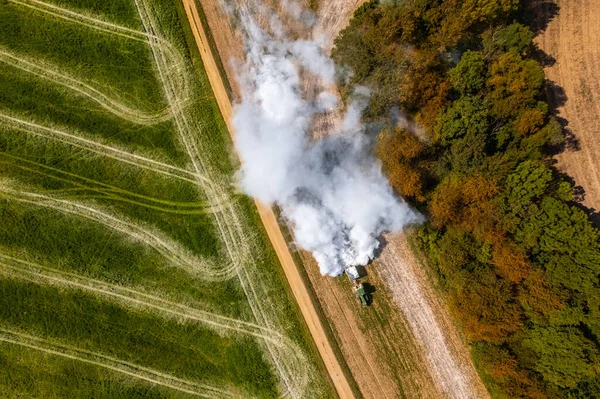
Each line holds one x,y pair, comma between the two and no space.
332,191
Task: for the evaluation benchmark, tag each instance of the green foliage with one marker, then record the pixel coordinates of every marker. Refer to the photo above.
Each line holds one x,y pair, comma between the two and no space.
512,38
468,116
468,76
514,84
527,183
563,356
520,263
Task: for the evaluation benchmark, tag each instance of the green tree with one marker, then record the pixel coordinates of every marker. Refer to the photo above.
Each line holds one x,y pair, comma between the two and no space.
468,76
562,355
514,84
515,37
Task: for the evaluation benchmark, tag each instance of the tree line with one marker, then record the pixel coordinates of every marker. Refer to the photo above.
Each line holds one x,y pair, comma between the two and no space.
516,257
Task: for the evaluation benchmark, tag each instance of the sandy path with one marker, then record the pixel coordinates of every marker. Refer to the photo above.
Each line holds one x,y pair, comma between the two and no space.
573,39
113,364
446,355
269,220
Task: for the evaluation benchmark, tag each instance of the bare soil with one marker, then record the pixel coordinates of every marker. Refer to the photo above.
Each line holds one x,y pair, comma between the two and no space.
572,39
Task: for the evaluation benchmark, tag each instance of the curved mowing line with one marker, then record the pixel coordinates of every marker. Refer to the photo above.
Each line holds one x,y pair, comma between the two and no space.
294,376
107,187
83,19
102,149
170,250
201,208
114,29
30,271
51,73
114,364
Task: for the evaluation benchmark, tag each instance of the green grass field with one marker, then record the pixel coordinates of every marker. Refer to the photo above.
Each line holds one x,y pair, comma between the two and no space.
129,265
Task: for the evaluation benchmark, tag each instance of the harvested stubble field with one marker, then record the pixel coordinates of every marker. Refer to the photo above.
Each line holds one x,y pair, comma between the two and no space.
129,266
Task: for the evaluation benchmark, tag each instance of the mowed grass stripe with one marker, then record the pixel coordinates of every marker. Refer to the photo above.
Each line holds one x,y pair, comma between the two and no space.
119,62
186,350
113,364
85,20
52,73
28,271
87,188
176,61
177,255
118,154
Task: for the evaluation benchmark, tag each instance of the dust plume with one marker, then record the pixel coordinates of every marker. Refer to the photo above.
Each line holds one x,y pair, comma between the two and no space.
332,191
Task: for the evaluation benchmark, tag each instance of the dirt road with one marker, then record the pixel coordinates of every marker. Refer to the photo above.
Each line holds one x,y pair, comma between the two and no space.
572,38
299,289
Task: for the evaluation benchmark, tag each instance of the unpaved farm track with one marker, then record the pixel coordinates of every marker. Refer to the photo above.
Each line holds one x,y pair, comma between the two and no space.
572,38
299,289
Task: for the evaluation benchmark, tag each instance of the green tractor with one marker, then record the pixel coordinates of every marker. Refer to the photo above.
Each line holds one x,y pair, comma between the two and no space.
361,294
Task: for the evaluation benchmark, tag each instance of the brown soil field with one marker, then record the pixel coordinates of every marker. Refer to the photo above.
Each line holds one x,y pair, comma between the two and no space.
572,39
403,345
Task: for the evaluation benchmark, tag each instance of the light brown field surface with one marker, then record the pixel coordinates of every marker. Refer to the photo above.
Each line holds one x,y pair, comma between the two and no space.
572,38
403,345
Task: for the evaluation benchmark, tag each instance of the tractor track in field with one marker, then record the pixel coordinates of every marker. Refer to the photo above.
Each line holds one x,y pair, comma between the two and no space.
100,148
270,223
293,368
170,250
176,63
294,376
111,192
24,270
116,365
52,74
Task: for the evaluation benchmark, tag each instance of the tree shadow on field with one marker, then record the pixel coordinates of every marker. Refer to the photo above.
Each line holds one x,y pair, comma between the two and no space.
579,197
539,13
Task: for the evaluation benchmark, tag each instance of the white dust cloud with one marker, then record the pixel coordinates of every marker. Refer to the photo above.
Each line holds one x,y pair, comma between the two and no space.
332,191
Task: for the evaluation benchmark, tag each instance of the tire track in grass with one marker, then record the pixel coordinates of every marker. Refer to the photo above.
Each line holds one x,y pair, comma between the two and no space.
99,148
295,377
294,374
177,62
29,271
169,249
130,369
95,185
52,73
